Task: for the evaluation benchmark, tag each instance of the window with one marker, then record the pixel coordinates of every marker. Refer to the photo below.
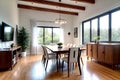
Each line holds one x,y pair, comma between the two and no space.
116,26
47,35
86,31
106,25
94,27
40,35
56,35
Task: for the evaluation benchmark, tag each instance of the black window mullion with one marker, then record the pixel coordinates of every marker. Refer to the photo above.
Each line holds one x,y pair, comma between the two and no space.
52,35
44,36
83,33
98,33
90,30
110,30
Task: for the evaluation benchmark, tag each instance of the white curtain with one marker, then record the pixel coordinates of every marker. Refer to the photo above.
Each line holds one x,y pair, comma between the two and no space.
34,43
35,47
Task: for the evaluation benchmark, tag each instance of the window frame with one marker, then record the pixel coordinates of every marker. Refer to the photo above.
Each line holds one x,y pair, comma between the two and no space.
109,13
44,27
108,27
83,30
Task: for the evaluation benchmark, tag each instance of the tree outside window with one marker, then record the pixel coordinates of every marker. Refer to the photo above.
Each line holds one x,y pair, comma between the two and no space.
48,35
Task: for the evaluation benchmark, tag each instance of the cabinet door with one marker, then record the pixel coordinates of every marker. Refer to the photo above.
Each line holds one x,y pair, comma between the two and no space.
5,59
116,54
94,51
101,53
109,54
89,50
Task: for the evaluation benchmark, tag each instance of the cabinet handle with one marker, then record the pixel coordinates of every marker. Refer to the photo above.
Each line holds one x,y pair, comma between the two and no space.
103,52
91,50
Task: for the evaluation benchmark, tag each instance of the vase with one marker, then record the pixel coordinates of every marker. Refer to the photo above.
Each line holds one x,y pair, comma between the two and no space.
97,41
24,54
59,46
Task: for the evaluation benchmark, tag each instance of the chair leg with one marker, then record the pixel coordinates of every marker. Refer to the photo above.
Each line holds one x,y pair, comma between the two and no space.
68,68
59,62
82,61
79,66
43,58
46,65
62,65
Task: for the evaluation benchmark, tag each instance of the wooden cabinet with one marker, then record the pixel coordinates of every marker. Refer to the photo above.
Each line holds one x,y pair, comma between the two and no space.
108,53
89,50
9,57
116,55
101,53
94,51
5,59
112,54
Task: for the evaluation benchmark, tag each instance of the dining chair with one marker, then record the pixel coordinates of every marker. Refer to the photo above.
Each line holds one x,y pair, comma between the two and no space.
82,52
73,55
68,44
48,55
74,45
71,45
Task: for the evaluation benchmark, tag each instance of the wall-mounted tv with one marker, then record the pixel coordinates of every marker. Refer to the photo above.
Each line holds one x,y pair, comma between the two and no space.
7,32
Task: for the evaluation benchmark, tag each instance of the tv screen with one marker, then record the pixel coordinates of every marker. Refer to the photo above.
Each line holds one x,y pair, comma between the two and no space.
7,32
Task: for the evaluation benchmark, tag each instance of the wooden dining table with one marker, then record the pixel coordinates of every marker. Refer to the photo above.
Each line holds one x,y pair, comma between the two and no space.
64,50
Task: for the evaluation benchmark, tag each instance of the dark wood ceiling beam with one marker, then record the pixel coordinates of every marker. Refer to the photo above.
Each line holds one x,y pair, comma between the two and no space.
56,4
87,1
45,9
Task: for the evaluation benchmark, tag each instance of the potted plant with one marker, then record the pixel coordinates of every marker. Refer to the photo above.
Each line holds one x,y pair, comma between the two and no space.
23,40
97,38
59,45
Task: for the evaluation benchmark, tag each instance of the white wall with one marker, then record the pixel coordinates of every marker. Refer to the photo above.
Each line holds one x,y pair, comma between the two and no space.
99,7
8,14
26,16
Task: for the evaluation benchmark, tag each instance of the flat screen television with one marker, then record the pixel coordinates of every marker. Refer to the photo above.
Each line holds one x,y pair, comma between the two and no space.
7,32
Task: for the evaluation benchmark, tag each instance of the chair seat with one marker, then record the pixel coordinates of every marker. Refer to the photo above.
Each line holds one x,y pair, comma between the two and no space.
52,56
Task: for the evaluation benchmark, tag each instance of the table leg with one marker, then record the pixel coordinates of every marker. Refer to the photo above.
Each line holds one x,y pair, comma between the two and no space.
79,65
57,61
79,55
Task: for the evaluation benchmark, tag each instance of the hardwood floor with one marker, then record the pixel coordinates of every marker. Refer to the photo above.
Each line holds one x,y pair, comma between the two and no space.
31,68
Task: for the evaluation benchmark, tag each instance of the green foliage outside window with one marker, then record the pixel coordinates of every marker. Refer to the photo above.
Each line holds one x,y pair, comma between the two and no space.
116,35
40,37
45,36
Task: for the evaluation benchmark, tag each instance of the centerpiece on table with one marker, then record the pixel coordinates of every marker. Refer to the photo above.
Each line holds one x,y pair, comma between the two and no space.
59,45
